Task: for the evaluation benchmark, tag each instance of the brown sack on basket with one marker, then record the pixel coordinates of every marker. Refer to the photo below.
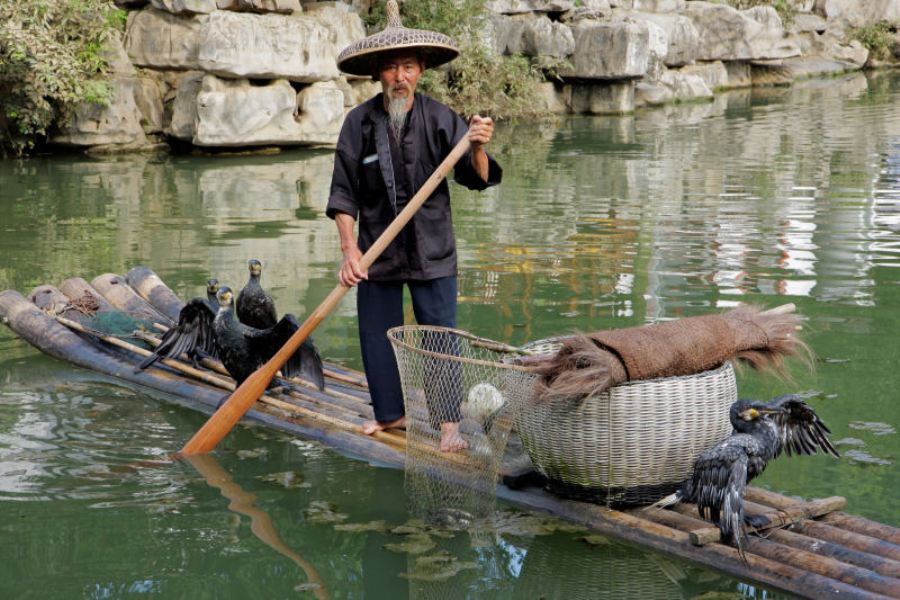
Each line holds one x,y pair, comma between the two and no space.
591,363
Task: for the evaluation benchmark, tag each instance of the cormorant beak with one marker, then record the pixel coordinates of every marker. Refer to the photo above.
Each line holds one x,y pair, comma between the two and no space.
750,414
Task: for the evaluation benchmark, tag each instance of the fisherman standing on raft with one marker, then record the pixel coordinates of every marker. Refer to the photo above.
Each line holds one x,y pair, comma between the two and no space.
387,149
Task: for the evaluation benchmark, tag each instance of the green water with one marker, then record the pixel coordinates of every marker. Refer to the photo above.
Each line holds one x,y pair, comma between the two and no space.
765,196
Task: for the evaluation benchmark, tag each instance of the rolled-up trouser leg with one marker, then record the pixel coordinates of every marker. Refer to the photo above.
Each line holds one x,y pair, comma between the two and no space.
379,306
434,303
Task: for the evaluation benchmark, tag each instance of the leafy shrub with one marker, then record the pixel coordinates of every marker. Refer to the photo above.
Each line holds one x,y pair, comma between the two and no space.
52,57
878,38
478,81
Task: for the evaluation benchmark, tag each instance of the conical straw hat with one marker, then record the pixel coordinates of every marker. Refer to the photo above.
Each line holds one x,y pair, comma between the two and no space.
361,58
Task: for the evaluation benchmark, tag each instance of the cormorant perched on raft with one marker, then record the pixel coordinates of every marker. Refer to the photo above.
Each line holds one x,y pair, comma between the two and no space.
193,333
762,430
254,306
244,349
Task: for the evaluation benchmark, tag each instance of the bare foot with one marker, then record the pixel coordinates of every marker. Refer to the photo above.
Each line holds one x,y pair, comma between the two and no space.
370,427
451,440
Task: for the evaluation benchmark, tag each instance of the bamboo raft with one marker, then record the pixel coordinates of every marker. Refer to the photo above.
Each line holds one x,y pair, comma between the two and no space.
810,549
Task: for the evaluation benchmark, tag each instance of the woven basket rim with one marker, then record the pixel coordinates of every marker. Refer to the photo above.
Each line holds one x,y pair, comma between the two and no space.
395,336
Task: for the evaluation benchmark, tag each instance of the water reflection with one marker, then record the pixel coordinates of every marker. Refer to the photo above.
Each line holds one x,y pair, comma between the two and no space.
600,222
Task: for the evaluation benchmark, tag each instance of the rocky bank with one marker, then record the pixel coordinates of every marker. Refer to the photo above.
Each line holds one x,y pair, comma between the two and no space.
247,73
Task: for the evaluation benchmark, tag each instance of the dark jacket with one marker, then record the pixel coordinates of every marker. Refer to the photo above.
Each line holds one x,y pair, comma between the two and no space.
367,188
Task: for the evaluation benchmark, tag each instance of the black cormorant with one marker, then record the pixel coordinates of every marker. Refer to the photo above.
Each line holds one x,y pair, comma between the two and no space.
193,333
244,349
762,431
254,306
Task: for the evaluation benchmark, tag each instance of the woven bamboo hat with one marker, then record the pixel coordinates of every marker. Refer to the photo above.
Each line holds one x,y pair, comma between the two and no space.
361,58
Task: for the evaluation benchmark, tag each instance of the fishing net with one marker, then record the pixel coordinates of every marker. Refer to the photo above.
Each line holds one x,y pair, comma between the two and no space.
452,376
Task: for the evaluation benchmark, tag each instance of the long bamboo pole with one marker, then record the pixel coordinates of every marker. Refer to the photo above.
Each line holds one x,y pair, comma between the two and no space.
221,422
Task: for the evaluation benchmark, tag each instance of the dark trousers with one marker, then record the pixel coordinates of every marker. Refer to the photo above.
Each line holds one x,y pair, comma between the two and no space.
379,306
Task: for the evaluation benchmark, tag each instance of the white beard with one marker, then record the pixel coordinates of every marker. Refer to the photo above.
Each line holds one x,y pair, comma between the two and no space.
397,117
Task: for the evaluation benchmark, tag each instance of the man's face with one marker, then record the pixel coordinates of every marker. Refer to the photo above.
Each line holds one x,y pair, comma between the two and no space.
399,73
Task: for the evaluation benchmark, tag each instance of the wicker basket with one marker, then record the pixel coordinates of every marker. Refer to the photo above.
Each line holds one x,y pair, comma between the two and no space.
632,444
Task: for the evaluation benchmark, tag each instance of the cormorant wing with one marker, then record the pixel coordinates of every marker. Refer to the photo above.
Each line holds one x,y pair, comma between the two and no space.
800,428
194,331
719,480
305,362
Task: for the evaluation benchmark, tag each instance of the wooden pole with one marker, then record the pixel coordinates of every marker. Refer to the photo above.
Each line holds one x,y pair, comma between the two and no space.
221,422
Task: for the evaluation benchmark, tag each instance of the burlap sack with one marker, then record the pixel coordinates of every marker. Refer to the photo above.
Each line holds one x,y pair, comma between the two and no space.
591,363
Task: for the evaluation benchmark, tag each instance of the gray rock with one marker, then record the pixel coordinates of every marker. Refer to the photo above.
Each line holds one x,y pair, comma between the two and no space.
131,4
672,86
284,7
236,113
609,50
739,74
185,7
658,6
515,7
714,74
543,37
859,13
148,97
681,37
344,25
831,47
117,123
729,34
809,24
507,33
321,113
184,106
550,99
609,98
161,40
237,45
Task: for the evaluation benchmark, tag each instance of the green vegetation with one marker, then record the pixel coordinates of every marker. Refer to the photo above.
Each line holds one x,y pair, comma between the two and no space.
478,81
785,9
878,38
52,57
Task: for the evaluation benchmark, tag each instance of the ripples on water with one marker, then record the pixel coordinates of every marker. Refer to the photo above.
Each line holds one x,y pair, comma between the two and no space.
767,196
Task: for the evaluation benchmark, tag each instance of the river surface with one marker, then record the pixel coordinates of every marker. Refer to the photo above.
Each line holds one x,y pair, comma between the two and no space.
766,196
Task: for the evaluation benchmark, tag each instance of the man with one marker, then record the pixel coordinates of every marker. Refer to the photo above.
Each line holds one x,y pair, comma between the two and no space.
388,147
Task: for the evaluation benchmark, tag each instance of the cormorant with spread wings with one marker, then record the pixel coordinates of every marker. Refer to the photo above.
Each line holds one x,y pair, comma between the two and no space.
762,431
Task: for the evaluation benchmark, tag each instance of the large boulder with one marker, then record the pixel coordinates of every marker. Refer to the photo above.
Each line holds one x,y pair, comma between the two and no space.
148,97
681,37
671,86
119,122
237,113
245,45
284,7
608,98
344,25
729,34
859,13
183,123
185,7
161,40
616,49
542,37
321,112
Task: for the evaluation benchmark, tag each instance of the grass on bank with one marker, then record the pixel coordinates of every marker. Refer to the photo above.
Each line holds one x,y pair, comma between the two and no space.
52,58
